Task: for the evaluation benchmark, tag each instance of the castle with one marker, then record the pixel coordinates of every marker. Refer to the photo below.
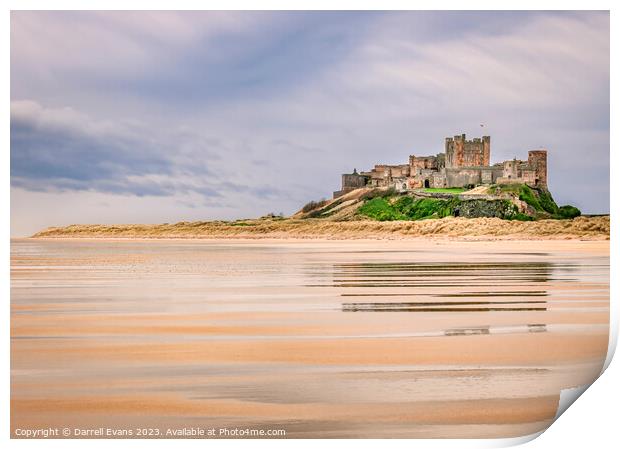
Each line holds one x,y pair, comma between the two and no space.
464,163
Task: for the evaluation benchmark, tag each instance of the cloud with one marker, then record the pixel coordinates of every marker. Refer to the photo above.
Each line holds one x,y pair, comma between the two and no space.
119,43
65,150
550,64
62,149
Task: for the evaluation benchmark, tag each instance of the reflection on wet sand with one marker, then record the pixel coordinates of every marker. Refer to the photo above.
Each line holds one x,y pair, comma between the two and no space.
391,275
436,307
259,335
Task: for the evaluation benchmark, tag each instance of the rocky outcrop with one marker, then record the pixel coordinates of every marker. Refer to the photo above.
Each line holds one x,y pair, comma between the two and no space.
487,208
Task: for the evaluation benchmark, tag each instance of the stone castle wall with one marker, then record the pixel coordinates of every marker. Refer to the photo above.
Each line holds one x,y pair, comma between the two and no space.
464,163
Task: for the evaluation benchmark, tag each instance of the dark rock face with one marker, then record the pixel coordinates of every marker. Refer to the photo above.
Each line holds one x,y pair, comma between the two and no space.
485,208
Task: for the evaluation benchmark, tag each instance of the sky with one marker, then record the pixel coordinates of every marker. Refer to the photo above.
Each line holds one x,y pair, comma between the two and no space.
160,117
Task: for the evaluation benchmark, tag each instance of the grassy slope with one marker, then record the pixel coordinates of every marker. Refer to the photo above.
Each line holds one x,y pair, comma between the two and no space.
407,208
388,205
521,202
541,200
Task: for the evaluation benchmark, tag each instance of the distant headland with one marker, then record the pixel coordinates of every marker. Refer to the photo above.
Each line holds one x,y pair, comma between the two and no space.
455,194
461,182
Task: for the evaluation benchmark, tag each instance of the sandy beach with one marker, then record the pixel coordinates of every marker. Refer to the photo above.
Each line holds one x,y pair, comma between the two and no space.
322,338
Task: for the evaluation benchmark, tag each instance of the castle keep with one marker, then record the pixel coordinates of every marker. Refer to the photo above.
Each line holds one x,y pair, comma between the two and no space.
464,163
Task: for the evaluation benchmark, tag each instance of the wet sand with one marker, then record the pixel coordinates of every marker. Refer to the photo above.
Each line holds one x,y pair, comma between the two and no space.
358,338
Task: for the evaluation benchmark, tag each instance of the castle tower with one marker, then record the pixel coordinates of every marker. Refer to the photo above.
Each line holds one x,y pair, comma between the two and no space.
448,152
537,160
510,169
486,150
459,150
455,150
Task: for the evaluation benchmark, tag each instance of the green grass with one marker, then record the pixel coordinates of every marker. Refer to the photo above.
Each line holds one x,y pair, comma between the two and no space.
380,209
424,208
546,201
568,212
407,208
542,201
539,199
453,190
506,188
526,194
387,205
520,217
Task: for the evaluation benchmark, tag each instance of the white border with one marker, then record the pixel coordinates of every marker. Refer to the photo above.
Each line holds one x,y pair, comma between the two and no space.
587,423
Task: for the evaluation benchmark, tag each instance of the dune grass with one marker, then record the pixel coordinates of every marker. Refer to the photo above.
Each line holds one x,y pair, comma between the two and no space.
589,228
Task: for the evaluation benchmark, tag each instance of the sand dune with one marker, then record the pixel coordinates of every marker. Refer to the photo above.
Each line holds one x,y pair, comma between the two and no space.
584,228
